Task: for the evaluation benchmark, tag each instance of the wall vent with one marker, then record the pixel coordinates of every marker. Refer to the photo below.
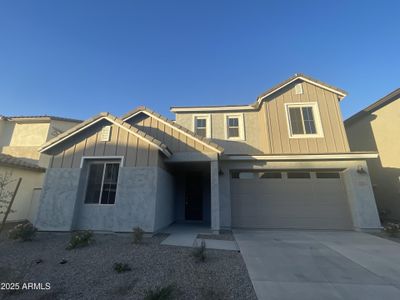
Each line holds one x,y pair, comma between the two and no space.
105,134
298,88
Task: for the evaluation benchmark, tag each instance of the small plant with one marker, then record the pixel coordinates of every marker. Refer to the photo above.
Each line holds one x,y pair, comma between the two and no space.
121,267
138,235
80,239
392,229
200,252
161,293
23,232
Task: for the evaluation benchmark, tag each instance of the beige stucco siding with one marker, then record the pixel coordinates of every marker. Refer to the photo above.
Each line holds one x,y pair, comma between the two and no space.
137,152
175,140
380,131
267,130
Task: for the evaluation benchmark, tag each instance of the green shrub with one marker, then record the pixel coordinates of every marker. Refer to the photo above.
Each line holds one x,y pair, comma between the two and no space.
121,267
80,239
392,229
200,252
23,232
138,235
161,293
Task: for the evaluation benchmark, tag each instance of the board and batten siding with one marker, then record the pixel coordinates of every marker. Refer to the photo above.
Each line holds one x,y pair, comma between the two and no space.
267,129
136,152
175,140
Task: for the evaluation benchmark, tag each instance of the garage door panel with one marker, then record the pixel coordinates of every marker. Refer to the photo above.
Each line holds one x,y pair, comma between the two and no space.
290,203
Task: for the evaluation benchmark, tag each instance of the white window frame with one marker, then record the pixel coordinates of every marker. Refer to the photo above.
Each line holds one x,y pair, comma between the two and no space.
206,117
105,160
317,120
241,136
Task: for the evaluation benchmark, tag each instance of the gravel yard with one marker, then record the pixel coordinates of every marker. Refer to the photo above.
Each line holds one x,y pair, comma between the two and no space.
89,274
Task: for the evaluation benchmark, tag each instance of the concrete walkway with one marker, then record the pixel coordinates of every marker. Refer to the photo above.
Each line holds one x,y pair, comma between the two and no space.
185,235
285,264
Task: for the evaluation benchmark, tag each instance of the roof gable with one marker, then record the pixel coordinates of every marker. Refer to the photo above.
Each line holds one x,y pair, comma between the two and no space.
202,140
112,119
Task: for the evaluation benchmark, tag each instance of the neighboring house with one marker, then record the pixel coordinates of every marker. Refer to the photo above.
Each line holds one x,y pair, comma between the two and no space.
20,139
281,162
377,128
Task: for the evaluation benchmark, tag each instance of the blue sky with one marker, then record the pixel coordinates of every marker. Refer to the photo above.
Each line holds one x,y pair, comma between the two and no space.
78,58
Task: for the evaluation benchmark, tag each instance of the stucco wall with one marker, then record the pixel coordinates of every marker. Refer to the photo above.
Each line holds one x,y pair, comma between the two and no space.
23,199
164,214
358,187
379,131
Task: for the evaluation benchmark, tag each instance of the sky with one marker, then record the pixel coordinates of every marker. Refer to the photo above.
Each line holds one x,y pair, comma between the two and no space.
78,58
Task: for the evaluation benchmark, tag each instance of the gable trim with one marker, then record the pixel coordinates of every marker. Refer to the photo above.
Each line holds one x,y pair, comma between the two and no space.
173,127
111,119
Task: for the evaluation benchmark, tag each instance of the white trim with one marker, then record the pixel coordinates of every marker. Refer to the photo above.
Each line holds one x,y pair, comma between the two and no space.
306,80
211,108
207,117
166,152
317,120
174,127
240,117
102,158
303,156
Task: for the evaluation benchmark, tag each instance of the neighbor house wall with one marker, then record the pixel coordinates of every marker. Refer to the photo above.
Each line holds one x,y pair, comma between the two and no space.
379,131
358,187
22,203
266,128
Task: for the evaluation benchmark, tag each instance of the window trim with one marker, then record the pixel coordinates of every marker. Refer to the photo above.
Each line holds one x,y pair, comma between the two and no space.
317,120
207,117
241,136
104,160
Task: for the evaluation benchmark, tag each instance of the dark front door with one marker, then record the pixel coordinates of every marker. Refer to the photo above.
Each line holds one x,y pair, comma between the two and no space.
194,197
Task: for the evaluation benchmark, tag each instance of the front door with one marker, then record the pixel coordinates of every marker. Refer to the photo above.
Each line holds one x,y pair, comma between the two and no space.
194,197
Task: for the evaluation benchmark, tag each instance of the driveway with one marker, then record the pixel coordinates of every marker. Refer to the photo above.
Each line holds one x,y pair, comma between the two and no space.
285,264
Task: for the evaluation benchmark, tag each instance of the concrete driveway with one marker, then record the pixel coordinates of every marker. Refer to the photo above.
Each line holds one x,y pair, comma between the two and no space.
325,265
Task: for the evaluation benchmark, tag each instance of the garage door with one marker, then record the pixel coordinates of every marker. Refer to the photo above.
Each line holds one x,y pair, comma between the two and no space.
289,199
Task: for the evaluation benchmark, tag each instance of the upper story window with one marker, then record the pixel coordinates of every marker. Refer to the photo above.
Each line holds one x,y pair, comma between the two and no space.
303,120
102,182
234,127
202,125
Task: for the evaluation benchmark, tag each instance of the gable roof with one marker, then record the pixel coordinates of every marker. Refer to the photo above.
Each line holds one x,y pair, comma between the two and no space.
202,140
11,161
341,93
374,106
112,119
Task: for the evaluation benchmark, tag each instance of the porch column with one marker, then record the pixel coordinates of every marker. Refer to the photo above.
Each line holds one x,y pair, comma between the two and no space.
214,178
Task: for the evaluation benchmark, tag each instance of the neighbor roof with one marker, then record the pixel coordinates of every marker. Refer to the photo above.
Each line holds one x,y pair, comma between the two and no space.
341,93
105,116
43,117
205,141
375,106
11,161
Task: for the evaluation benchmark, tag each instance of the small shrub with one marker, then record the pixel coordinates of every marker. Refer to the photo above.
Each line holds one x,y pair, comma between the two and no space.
121,267
23,232
392,229
80,239
200,252
138,235
161,293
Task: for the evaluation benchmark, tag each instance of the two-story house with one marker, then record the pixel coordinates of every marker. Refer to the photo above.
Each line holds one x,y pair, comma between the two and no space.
280,162
20,139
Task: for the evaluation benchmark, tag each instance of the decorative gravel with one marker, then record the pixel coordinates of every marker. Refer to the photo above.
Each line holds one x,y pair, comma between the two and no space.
224,235
89,274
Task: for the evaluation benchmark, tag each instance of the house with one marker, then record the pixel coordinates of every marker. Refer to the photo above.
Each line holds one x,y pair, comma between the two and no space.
20,139
377,128
280,162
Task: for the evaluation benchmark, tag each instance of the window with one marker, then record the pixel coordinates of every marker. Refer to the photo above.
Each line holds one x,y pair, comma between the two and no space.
328,175
271,175
234,128
102,182
202,125
291,175
303,120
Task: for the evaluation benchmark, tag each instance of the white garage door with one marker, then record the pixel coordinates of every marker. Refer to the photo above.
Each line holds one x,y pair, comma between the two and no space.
289,199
